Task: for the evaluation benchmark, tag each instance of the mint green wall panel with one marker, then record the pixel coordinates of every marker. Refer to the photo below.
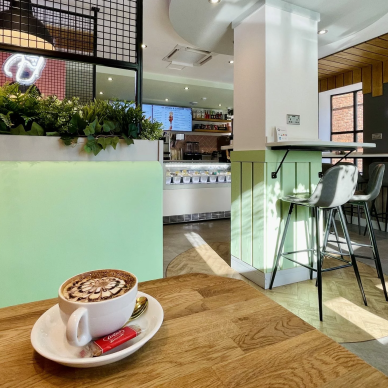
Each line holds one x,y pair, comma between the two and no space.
302,225
246,213
58,219
259,216
288,184
273,215
235,247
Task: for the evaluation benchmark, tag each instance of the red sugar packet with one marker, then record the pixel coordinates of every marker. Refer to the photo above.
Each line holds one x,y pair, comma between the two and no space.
102,345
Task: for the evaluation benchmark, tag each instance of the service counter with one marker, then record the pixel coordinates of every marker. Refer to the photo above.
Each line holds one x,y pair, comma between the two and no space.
196,191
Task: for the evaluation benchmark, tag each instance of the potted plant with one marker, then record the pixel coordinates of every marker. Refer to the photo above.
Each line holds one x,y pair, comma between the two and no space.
101,123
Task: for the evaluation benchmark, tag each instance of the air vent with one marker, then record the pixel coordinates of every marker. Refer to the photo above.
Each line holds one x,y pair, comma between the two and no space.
183,56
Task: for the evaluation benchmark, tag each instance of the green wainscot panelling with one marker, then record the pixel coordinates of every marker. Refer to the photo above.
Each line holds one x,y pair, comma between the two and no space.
58,219
258,215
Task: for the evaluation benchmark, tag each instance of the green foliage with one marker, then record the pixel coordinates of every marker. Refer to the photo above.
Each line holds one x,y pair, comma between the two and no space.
151,130
103,123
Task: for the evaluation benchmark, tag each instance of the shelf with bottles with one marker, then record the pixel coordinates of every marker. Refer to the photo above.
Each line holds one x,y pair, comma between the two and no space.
214,120
210,115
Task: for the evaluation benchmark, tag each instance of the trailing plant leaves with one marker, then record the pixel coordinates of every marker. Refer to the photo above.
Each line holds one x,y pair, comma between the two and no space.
115,141
92,145
52,134
19,130
69,140
103,142
127,140
77,123
109,126
36,130
132,131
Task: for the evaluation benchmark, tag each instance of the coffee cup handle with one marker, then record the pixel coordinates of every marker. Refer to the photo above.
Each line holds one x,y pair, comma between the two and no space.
77,329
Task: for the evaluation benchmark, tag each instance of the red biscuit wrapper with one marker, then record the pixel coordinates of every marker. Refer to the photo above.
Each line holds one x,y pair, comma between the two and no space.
102,345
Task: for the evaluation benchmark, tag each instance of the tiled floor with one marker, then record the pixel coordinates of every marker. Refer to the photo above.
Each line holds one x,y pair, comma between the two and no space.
181,237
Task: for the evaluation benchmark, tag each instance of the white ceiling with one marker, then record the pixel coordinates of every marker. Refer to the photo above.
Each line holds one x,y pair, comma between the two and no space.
213,80
197,23
209,25
157,88
161,38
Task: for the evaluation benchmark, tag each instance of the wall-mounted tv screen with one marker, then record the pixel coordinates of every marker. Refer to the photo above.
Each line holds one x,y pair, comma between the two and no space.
173,118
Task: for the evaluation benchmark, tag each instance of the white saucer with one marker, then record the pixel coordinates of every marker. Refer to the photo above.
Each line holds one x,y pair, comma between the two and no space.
49,340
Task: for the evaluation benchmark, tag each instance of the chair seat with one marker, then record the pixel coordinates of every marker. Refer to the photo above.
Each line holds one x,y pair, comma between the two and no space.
360,196
303,198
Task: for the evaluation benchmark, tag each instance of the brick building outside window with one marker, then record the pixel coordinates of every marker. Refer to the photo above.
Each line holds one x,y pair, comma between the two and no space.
347,120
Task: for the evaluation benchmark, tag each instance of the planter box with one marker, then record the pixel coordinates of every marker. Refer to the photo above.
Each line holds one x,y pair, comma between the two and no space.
47,148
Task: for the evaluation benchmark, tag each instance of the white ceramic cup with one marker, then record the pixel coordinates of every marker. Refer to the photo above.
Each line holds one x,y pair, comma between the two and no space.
86,321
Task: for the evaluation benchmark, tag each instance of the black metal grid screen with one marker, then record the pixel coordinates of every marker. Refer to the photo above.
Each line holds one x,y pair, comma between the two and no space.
101,32
80,81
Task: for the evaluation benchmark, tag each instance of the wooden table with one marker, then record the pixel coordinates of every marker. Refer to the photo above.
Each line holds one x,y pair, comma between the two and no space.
218,332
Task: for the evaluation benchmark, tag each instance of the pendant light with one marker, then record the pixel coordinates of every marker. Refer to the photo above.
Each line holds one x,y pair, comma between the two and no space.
19,27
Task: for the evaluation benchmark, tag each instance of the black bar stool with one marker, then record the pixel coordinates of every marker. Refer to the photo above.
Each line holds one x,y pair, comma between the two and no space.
362,199
336,187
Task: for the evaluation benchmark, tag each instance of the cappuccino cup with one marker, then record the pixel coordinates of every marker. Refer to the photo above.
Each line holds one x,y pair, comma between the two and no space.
96,303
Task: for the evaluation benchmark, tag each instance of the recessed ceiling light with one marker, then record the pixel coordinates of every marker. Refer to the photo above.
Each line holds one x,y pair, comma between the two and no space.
214,1
110,79
166,99
144,46
322,32
219,104
186,88
204,98
231,62
101,93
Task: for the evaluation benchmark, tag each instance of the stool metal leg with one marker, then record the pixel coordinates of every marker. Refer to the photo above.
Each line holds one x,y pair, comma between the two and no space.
327,234
310,243
375,249
275,268
319,262
351,253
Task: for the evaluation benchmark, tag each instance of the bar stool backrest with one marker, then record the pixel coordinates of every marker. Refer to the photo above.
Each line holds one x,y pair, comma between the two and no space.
385,175
376,180
336,187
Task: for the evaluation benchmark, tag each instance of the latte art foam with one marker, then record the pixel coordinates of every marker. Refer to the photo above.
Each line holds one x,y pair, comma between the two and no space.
96,289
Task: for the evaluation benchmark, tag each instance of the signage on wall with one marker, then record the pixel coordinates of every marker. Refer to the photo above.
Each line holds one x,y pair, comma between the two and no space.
28,68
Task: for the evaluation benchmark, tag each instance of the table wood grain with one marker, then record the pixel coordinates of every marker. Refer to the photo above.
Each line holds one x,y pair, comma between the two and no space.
218,332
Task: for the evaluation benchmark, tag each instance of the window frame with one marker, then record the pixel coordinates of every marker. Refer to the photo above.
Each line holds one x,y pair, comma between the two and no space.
355,120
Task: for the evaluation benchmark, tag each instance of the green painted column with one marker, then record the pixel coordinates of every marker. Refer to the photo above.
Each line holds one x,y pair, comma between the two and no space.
58,219
258,214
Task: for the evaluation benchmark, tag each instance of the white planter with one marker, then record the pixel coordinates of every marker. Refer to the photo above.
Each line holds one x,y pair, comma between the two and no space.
47,148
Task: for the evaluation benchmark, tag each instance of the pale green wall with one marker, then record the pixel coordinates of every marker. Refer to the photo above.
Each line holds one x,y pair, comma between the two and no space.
258,214
58,219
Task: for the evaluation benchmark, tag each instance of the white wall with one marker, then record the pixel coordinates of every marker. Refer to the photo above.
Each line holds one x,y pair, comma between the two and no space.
276,54
325,108
291,73
249,83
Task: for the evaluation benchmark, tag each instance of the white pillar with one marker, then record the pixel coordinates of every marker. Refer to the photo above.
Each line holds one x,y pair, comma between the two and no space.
275,73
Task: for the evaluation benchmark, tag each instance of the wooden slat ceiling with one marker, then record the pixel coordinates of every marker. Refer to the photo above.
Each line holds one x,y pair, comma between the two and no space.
366,62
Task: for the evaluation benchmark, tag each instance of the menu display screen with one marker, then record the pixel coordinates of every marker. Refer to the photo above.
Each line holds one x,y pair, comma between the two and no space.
147,111
173,118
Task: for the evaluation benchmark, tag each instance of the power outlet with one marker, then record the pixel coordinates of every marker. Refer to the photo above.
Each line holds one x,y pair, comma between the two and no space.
293,119
377,136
